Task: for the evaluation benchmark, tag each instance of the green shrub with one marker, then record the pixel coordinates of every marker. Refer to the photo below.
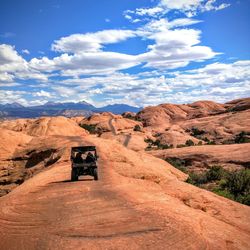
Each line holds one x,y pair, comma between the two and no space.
90,127
238,183
189,143
166,146
149,141
211,143
157,143
199,143
197,179
137,128
196,132
177,163
244,199
215,173
224,193
242,137
234,185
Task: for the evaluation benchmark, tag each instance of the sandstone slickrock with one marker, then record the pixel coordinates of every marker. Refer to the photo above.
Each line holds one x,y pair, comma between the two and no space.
140,201
235,156
45,126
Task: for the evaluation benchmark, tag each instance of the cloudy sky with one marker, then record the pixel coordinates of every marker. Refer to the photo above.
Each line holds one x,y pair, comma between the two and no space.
142,52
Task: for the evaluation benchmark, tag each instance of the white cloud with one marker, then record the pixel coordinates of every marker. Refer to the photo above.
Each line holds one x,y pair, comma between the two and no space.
43,93
86,63
188,7
148,11
217,81
12,65
8,56
170,49
9,96
90,42
5,77
25,51
192,7
65,91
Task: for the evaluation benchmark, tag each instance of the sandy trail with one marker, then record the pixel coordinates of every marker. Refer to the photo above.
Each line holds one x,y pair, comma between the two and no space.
112,127
126,141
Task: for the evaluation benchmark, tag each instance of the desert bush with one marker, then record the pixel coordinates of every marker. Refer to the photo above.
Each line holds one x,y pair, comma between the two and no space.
215,173
238,183
197,179
197,132
189,143
234,185
211,143
181,146
90,127
166,146
199,143
223,192
149,141
242,137
137,128
177,163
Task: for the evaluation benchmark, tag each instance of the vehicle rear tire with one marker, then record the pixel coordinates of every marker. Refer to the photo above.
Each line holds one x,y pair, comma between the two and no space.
95,174
74,175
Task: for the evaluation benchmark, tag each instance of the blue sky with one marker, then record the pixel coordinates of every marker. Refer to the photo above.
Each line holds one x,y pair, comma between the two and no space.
124,51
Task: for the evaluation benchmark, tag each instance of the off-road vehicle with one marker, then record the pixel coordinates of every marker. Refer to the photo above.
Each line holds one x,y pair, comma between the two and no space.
83,162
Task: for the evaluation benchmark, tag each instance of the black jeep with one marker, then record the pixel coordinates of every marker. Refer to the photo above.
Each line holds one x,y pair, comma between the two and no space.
83,162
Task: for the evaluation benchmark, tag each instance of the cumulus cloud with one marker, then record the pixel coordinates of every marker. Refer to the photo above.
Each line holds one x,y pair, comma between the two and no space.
12,65
218,81
192,7
170,49
99,62
25,51
9,96
43,93
90,42
188,7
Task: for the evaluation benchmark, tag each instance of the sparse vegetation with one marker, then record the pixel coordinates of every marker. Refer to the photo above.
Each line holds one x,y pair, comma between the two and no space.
156,144
189,143
208,142
195,132
238,184
242,137
177,163
90,127
215,173
137,128
232,185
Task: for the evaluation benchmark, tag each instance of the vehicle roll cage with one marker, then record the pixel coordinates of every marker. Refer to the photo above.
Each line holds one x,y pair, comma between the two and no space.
83,149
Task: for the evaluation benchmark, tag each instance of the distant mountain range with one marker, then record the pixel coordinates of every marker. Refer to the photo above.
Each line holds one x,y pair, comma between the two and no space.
69,109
